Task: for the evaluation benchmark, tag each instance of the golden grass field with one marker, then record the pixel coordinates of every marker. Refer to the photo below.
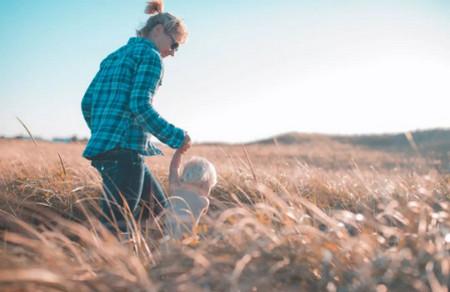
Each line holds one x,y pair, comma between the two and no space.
319,216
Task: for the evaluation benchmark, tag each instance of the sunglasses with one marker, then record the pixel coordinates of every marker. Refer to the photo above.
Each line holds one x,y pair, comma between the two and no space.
174,46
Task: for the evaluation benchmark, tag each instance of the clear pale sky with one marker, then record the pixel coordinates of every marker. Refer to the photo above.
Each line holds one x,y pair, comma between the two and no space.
250,68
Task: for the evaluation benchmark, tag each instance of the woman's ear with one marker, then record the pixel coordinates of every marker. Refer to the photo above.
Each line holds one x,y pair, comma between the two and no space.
158,29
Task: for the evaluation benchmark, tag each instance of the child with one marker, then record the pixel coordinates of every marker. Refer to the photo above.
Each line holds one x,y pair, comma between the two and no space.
188,199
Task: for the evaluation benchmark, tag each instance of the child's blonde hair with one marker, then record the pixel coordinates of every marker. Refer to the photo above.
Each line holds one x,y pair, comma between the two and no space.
171,23
199,170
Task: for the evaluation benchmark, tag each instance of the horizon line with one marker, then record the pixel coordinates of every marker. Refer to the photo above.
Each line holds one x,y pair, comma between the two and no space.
75,137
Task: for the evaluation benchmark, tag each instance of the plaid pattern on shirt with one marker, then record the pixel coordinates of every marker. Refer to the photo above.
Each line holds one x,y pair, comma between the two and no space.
117,104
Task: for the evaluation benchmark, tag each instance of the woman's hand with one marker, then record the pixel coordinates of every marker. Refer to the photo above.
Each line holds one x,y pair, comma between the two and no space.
186,144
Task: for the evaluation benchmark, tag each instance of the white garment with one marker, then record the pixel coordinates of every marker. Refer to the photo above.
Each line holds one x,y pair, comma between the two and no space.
184,211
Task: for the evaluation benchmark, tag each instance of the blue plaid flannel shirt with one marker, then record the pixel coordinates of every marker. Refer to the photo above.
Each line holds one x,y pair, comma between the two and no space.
117,104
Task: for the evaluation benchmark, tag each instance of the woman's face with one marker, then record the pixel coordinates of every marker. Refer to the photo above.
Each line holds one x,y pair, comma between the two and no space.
165,41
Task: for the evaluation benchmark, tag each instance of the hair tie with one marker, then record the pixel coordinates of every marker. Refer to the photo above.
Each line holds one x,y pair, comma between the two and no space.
155,6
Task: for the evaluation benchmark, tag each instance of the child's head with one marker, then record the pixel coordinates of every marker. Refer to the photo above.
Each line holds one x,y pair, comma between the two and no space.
200,172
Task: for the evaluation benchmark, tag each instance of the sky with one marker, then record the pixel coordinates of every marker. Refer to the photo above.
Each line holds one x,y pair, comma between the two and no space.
249,70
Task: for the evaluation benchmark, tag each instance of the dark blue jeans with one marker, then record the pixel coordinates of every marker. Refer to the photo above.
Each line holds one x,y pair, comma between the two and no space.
126,179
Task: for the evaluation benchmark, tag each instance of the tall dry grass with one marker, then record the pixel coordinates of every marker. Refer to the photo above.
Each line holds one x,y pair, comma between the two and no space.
317,216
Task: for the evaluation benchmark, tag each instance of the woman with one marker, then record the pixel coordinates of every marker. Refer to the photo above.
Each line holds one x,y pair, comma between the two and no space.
117,107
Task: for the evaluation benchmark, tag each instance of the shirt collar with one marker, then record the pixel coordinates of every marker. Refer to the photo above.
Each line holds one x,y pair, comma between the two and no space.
136,40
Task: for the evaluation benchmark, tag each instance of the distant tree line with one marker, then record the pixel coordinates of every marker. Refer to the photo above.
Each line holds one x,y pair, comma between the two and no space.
70,139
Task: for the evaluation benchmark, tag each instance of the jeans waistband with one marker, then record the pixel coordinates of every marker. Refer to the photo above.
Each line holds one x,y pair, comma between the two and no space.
117,153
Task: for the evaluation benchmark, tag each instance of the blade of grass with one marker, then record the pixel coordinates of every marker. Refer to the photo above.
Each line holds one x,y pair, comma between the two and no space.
28,131
250,164
411,142
62,164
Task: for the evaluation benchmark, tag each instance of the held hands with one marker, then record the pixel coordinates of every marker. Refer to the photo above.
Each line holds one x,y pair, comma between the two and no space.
176,160
186,144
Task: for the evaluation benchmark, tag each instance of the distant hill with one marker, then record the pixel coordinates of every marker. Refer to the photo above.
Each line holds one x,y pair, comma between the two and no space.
435,141
427,141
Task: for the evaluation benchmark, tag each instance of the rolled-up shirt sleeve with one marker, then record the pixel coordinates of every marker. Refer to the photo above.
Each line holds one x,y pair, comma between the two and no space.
146,80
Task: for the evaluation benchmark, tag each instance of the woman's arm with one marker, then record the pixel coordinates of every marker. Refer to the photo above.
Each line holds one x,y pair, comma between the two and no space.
147,78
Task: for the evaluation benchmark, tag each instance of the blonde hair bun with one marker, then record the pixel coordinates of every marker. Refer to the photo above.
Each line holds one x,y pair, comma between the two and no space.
153,7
